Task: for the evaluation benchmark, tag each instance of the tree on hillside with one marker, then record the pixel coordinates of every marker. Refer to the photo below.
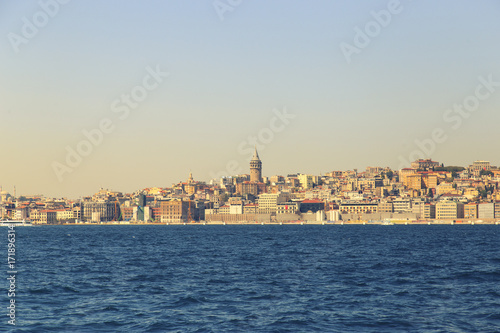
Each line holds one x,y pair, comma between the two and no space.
485,173
224,197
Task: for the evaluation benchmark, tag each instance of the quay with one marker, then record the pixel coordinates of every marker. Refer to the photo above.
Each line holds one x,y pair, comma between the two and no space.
357,222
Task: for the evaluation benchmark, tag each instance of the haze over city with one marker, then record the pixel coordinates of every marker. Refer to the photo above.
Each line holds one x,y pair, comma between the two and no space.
161,89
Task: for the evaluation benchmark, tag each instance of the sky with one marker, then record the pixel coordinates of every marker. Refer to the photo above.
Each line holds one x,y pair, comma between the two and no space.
126,95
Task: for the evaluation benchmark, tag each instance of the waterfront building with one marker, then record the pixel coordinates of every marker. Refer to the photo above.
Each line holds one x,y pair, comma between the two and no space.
236,207
429,211
65,215
127,213
333,215
385,207
156,213
288,207
138,213
148,214
497,210
250,209
447,209
101,211
35,215
311,206
178,211
358,208
48,216
470,211
418,206
402,205
21,213
77,212
486,210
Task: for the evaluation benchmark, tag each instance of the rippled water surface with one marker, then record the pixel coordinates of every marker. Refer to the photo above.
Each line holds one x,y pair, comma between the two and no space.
256,279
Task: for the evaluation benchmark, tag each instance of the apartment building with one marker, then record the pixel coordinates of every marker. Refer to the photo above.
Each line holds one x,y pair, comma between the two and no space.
470,211
448,209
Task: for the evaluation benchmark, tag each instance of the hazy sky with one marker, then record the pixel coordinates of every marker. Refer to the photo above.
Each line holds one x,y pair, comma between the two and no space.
355,83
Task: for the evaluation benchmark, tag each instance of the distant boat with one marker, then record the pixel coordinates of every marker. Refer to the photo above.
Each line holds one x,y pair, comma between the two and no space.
15,223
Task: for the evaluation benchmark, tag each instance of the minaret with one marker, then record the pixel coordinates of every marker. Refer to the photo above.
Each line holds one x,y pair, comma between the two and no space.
256,168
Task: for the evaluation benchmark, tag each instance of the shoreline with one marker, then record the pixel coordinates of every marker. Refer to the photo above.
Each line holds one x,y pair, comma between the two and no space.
431,222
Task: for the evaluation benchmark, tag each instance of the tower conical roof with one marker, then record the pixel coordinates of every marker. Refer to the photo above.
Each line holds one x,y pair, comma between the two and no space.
255,155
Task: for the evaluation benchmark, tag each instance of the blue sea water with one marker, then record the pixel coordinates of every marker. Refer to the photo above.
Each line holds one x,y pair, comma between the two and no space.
255,279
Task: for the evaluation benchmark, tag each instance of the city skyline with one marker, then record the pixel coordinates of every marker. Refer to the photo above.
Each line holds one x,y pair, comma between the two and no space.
426,191
253,172
160,89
